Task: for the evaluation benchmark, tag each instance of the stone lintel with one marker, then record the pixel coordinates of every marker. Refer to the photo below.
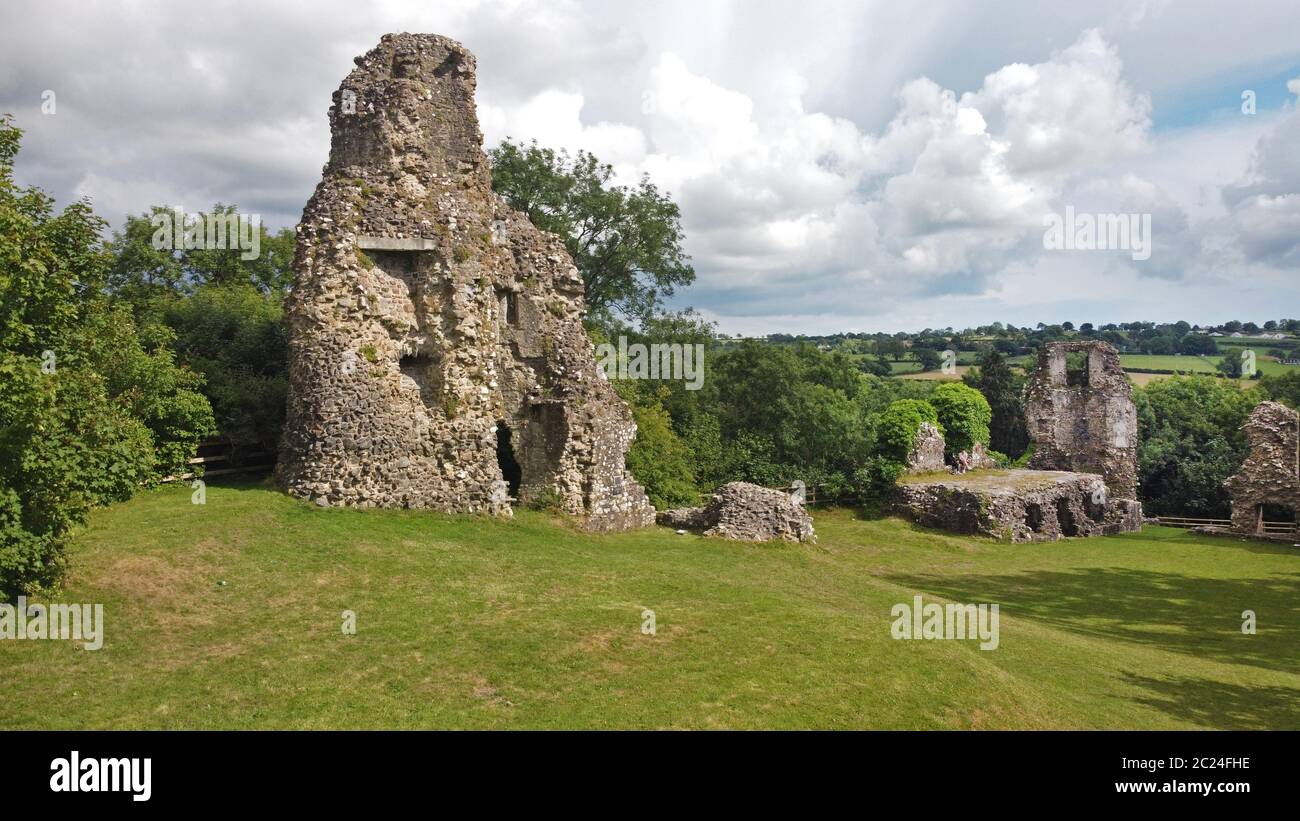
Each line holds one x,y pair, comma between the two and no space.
396,244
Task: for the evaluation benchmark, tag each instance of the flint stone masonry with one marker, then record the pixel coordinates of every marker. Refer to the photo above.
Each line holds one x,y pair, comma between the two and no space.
1271,473
437,357
1018,505
1083,420
746,512
979,457
926,455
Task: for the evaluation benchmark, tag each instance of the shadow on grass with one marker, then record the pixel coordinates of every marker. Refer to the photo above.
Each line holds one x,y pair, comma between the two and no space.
1183,614
1221,705
241,482
871,511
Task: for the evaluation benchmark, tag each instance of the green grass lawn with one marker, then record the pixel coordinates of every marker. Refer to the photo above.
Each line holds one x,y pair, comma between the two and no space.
468,622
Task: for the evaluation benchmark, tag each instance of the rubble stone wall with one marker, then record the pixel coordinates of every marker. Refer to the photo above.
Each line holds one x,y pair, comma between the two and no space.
746,512
1083,420
436,347
926,455
1271,473
1019,505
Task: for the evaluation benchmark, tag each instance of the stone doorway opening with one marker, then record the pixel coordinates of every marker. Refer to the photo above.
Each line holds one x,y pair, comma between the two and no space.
1034,517
1065,518
510,470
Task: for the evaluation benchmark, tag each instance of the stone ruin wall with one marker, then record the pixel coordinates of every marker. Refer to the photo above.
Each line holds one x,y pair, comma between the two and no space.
1082,479
926,455
1083,421
1023,506
435,335
1271,473
746,512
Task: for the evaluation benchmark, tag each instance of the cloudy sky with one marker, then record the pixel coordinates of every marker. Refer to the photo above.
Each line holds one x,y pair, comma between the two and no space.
841,166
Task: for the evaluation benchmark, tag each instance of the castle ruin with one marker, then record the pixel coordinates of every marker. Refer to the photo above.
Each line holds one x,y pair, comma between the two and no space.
1270,476
1080,414
437,357
1082,476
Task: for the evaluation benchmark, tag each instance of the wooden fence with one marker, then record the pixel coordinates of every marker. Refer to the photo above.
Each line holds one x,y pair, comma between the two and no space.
219,457
816,495
1182,521
1269,528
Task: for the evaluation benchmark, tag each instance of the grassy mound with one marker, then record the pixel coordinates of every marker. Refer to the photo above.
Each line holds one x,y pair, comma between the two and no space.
229,615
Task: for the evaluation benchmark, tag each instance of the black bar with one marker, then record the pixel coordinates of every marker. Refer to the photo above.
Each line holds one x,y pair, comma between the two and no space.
334,769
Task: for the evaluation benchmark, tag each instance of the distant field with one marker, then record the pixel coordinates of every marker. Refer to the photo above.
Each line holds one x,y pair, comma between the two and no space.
961,370
906,366
1270,367
1182,364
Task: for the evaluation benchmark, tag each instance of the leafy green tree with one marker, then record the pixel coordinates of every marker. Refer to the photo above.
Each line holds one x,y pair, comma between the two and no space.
1231,364
234,336
895,346
1161,345
660,461
702,437
1002,388
965,415
225,314
269,271
140,375
625,241
748,458
141,274
822,430
897,426
91,405
64,447
145,276
877,366
1284,387
1190,441
929,359
755,383
1199,345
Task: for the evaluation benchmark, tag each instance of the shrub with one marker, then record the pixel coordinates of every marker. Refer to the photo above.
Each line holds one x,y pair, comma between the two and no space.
896,429
92,405
64,447
141,375
659,460
876,478
965,415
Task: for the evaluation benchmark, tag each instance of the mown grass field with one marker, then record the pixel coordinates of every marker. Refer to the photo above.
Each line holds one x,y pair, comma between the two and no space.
1202,364
228,615
1182,364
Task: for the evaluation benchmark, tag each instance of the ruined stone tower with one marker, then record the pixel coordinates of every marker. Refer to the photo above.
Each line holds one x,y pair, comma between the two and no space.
1081,417
437,357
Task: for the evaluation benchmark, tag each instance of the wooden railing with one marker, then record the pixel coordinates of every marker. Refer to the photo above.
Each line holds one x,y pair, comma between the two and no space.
217,452
816,495
1183,521
1279,528
1268,528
